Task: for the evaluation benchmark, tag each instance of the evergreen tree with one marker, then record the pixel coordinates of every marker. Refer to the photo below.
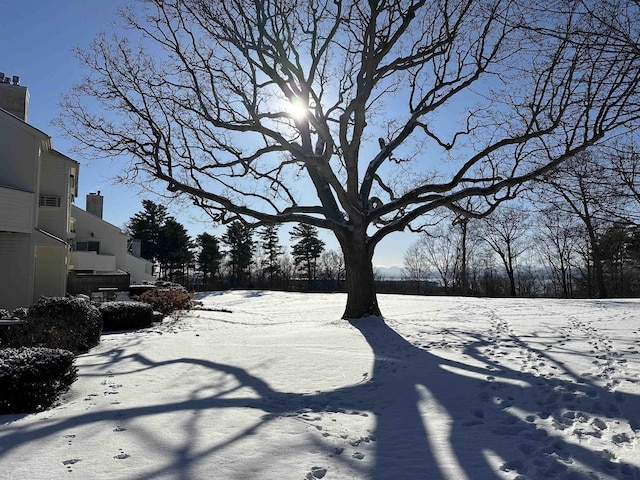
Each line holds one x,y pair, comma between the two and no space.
146,226
307,251
174,249
273,251
209,257
239,239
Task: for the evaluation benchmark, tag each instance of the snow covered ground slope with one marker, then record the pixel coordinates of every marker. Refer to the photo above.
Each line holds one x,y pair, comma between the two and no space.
272,385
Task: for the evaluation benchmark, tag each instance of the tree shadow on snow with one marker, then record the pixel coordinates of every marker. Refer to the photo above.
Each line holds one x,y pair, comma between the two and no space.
413,395
501,409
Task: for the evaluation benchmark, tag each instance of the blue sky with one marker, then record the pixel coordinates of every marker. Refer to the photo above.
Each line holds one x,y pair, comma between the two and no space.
37,38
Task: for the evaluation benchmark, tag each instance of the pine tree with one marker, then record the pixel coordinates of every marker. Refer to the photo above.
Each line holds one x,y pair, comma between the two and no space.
146,226
239,239
175,249
307,251
273,250
209,257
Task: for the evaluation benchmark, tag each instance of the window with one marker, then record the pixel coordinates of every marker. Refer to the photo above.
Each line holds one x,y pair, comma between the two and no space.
50,201
90,246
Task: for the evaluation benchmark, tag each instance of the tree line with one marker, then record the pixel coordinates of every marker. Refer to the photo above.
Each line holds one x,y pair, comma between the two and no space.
573,233
241,257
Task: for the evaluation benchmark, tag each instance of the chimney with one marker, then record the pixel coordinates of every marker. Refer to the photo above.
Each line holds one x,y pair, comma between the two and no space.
94,204
14,98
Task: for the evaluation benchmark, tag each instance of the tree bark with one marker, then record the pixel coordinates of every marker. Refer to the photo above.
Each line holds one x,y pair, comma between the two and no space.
362,300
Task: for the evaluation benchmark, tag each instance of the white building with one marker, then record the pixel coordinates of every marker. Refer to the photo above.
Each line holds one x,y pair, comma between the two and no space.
43,236
101,248
37,188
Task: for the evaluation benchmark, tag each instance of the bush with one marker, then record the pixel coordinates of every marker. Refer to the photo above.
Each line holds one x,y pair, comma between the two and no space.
135,290
32,378
125,315
20,312
167,301
58,322
4,313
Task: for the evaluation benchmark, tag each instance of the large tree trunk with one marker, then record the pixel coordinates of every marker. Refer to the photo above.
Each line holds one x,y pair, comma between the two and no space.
361,288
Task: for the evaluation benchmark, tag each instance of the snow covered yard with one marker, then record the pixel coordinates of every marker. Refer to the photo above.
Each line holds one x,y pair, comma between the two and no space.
272,385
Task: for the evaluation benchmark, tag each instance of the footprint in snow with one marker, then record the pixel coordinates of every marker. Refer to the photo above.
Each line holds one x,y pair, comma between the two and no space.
69,463
121,455
316,472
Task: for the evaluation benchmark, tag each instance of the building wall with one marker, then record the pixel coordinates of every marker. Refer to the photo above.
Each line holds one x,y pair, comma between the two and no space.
17,273
16,210
58,180
19,154
112,240
36,261
140,269
50,271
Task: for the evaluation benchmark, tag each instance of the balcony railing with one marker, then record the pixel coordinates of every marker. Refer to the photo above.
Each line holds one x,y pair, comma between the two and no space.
92,262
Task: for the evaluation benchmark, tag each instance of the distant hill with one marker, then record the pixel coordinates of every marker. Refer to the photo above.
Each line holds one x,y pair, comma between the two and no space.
387,273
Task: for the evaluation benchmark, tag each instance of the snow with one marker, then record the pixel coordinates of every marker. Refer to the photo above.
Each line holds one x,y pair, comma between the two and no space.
272,385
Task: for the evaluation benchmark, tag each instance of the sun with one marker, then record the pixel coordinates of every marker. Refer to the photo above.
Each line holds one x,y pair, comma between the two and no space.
297,108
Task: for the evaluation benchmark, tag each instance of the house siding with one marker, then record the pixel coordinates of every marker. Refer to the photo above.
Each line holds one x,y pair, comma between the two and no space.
17,270
112,240
56,172
50,271
33,240
17,210
19,152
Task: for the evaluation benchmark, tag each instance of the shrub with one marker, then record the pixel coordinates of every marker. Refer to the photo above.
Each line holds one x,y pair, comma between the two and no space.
4,313
167,301
20,312
32,378
126,315
59,322
135,290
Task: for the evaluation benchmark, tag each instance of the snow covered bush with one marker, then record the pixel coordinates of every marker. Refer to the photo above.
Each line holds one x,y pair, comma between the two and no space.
59,322
4,313
20,312
126,315
32,378
168,300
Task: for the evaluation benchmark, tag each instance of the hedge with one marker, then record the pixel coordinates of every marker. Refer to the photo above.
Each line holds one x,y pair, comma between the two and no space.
125,315
32,378
58,322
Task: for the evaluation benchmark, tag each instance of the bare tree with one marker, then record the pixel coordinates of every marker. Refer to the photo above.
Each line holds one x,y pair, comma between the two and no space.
558,239
416,265
383,111
623,169
332,266
582,187
505,233
441,248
